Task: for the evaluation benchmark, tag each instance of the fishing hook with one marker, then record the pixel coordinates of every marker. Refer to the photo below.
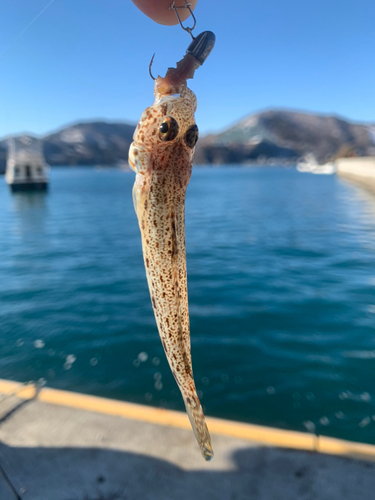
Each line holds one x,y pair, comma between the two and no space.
186,6
201,45
149,68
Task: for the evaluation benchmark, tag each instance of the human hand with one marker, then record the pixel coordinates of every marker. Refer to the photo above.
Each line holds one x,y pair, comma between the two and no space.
158,10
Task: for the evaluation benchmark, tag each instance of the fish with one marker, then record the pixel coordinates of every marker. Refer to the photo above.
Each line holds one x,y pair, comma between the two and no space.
161,155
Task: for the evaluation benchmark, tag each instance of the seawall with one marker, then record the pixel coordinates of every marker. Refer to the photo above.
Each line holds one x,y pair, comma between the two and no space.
359,170
66,446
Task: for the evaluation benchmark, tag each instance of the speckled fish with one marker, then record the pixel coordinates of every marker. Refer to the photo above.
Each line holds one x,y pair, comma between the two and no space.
162,156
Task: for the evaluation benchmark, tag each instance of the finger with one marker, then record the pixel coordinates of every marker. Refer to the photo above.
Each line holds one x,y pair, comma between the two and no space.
158,10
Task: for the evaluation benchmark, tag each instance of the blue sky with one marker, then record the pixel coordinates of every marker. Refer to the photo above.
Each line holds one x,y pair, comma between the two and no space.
88,59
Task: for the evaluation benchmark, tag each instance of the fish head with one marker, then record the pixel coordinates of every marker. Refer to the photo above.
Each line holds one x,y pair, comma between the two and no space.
166,130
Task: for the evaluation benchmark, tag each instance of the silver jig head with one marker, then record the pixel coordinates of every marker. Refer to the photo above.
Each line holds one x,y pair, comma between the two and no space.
201,46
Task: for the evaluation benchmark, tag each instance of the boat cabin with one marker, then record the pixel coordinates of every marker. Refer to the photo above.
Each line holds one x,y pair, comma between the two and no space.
26,168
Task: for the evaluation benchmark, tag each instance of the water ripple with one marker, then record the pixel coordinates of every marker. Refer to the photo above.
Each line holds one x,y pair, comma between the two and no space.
281,289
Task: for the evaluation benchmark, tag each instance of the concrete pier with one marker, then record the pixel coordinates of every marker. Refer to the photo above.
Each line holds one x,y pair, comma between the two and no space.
56,445
359,170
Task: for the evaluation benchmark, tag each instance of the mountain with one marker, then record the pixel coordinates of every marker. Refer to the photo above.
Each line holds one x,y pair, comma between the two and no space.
88,143
276,135
285,135
91,143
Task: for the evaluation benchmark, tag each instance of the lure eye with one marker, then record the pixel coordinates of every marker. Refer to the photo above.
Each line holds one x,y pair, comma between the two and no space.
191,136
168,130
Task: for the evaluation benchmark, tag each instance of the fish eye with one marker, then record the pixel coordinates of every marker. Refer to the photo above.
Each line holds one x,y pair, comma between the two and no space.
191,136
168,130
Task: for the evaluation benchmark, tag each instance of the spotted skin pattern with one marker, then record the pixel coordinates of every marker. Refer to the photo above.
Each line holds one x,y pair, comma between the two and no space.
163,167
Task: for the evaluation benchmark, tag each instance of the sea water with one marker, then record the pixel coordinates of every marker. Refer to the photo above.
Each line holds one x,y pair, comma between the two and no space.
281,278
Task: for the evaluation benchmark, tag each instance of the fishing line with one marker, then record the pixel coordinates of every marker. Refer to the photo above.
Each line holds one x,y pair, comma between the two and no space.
26,28
9,484
3,474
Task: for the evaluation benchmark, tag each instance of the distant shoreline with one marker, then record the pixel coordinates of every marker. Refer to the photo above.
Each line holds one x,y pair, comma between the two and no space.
274,137
254,164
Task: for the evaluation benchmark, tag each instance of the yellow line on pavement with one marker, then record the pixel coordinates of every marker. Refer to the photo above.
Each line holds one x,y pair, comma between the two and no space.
260,434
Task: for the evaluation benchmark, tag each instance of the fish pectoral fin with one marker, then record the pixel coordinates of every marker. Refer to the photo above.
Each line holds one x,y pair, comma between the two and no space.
134,193
139,158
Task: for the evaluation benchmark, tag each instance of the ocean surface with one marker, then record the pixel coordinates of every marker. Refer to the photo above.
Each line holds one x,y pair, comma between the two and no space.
281,274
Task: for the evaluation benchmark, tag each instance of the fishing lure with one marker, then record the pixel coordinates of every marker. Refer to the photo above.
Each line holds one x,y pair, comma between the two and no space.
161,155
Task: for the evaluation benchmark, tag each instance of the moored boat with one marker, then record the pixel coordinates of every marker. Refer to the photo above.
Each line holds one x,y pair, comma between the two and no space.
26,168
309,164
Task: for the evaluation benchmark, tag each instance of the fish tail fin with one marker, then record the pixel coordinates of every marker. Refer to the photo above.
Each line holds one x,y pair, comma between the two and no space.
198,424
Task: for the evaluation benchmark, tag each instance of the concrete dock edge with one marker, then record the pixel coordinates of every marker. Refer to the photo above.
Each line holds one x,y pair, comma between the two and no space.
358,170
262,435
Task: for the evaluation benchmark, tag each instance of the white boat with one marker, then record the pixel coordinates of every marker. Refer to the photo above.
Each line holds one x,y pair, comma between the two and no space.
26,168
327,169
309,164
